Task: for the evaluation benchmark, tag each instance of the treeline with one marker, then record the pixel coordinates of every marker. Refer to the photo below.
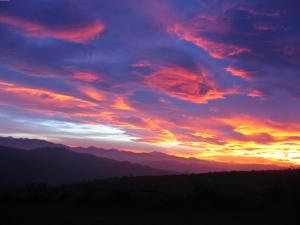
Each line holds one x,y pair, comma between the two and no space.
274,190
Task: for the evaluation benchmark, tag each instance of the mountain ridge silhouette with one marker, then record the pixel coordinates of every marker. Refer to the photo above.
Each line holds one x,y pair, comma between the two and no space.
154,159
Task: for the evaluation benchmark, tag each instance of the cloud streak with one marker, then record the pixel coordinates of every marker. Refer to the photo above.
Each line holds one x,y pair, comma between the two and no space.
78,34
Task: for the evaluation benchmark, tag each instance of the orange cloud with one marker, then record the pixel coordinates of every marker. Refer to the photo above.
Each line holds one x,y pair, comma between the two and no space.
146,128
32,98
92,93
251,125
184,85
121,104
238,72
79,34
254,140
190,32
85,76
131,122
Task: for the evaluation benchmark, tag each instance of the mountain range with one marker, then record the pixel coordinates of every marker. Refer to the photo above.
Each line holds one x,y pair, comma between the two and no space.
156,160
177,164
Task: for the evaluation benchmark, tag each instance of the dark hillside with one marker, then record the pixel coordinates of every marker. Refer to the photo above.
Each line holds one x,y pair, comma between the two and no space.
62,166
215,198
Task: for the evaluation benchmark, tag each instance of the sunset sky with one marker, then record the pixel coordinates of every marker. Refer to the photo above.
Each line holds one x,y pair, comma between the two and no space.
198,78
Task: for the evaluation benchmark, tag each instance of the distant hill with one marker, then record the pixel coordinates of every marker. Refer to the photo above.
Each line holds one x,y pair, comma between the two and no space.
27,144
62,166
164,161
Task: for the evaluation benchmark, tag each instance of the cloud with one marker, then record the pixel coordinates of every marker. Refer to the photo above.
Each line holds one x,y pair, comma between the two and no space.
6,84
239,73
39,99
85,76
76,33
183,84
92,93
121,104
257,127
256,93
191,31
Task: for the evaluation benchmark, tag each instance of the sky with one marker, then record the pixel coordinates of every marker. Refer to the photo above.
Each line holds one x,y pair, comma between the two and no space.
211,79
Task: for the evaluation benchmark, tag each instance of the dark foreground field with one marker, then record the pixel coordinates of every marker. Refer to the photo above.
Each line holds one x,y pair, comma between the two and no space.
217,198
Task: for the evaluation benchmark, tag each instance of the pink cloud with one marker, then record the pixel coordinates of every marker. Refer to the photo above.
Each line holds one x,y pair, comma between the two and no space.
256,93
239,73
184,85
85,76
193,31
78,34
